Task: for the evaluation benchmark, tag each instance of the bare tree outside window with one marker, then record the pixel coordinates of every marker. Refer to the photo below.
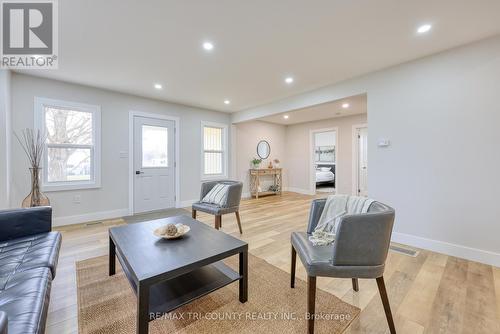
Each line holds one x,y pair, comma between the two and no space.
69,144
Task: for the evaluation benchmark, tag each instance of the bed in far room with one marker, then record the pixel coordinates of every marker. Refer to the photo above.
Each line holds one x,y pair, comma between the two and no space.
325,175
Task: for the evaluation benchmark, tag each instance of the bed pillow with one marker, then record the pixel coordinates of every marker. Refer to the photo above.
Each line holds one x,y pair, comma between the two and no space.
325,169
217,195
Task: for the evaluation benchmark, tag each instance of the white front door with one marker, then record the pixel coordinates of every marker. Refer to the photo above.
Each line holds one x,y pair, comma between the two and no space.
362,161
154,165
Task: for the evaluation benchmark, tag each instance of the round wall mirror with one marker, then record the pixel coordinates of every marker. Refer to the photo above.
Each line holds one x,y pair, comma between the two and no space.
263,149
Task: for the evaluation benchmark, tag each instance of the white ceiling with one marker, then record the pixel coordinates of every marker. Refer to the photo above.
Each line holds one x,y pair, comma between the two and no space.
357,105
128,45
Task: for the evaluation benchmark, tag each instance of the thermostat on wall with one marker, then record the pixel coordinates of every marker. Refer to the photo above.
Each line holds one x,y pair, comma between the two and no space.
383,142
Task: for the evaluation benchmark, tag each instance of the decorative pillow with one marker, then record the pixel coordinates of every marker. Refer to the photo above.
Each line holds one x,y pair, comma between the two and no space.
217,195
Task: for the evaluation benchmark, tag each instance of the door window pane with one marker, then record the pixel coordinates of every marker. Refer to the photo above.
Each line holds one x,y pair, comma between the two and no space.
154,146
68,164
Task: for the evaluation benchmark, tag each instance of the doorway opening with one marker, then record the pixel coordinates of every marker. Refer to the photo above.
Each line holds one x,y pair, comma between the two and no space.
325,159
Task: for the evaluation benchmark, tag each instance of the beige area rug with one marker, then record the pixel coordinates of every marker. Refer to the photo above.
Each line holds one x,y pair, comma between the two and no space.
108,305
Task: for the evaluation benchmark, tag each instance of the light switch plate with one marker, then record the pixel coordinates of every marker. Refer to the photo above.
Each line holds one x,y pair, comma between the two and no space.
383,142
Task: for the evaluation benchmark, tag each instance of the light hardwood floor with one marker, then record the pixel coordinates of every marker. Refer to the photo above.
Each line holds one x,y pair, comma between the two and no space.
430,293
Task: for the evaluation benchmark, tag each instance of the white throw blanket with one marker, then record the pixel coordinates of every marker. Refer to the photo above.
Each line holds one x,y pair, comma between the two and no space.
336,207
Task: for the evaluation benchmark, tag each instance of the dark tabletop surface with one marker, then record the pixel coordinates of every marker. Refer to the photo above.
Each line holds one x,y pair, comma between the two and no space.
149,256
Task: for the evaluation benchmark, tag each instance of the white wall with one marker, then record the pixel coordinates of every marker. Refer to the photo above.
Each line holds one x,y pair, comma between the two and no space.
247,136
5,137
441,114
298,145
112,198
324,138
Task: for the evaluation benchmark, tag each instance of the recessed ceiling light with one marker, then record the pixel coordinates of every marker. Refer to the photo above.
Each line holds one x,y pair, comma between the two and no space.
424,28
289,80
208,46
345,105
158,86
285,116
227,102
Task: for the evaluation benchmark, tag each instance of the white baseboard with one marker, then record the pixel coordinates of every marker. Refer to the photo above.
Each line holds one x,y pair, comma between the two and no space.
185,204
246,195
300,191
447,248
89,217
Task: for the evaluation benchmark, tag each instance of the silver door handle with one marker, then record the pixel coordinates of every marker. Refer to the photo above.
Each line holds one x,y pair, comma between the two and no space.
137,172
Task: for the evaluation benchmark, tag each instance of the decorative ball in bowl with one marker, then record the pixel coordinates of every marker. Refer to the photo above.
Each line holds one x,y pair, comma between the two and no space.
171,231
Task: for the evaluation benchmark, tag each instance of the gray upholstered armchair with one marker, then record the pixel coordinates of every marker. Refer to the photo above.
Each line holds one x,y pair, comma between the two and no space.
359,251
231,205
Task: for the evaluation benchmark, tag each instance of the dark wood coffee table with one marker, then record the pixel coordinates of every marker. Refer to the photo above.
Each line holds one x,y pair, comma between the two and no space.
166,274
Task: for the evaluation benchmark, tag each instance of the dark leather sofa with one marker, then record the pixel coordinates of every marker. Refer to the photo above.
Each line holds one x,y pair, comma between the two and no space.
28,259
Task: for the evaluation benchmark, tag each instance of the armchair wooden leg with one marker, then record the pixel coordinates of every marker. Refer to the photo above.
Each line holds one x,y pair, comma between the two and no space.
311,302
239,221
193,213
217,222
385,301
294,261
355,284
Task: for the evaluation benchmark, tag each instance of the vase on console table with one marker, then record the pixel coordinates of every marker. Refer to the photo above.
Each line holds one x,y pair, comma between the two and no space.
35,197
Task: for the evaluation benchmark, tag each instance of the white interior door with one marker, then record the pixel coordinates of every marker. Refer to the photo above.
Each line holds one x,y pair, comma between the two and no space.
362,161
154,164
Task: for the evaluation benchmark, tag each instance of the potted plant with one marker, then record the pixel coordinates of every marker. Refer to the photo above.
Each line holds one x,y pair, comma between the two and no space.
256,163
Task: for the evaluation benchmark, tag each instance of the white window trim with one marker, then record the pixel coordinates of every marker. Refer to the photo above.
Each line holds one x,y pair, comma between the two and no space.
96,129
225,151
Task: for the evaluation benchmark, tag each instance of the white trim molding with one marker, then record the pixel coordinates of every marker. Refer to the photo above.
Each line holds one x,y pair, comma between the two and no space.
464,252
177,166
355,157
95,147
5,139
248,195
89,217
312,162
186,204
300,191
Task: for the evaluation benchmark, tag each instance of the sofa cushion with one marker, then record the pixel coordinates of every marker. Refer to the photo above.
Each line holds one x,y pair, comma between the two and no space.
26,253
25,300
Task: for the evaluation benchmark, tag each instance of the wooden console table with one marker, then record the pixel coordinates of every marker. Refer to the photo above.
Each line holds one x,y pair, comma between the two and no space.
255,176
